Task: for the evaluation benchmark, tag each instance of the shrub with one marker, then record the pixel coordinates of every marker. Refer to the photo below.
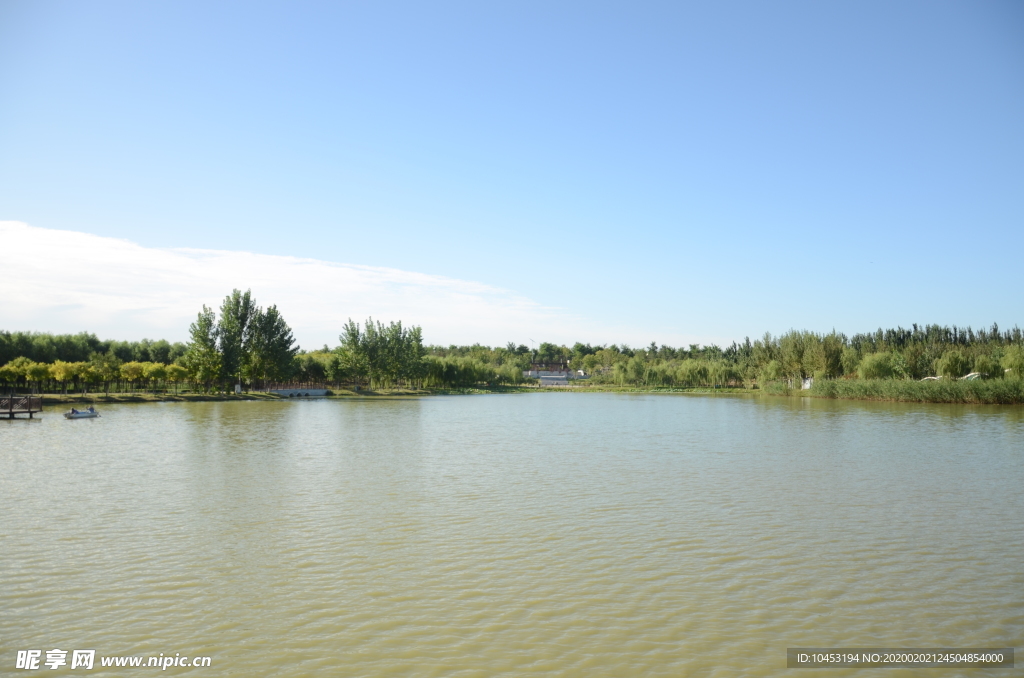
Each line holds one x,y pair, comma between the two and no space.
876,366
459,372
692,373
899,365
954,364
771,372
988,367
1013,360
850,360
776,388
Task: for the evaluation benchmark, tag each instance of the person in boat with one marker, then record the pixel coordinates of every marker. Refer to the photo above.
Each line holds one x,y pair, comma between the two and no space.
74,411
91,409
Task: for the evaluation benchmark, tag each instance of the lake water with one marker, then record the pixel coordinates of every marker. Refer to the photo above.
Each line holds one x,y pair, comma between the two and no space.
535,534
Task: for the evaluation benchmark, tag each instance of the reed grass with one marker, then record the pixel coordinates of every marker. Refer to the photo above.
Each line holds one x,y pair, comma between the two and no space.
991,391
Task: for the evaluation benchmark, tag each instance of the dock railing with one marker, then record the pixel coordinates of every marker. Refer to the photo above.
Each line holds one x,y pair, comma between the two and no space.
13,405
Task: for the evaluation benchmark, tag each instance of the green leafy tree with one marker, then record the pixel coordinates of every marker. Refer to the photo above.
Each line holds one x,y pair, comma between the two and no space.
636,370
691,373
234,333
37,372
876,366
850,360
160,352
202,359
383,354
813,361
899,365
62,372
510,374
988,367
107,367
350,361
269,349
132,372
773,371
551,353
313,367
792,347
464,372
723,374
832,355
85,374
1013,360
954,364
10,374
176,374
155,372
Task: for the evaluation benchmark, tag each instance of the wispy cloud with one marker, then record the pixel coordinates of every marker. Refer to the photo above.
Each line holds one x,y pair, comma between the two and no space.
66,281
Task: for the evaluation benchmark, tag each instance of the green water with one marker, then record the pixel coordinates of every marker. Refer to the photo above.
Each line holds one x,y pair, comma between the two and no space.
529,534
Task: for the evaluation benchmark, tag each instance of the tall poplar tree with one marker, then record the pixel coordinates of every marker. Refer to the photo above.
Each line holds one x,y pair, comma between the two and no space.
202,358
382,354
233,332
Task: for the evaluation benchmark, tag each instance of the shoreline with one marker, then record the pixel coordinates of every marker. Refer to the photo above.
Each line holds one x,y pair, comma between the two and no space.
51,399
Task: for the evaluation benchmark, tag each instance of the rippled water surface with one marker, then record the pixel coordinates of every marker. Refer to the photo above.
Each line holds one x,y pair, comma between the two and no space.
536,534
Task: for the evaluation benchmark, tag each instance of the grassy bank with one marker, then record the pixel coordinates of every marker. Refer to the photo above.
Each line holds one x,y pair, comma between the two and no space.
995,392
95,398
630,388
989,392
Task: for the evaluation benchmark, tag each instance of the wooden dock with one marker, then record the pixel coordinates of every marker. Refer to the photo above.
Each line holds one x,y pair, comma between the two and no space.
11,406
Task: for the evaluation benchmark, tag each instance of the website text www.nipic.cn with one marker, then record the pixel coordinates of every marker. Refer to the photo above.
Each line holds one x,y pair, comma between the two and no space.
86,659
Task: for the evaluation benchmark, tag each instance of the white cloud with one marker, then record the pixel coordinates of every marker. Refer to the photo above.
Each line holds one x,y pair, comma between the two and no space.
65,281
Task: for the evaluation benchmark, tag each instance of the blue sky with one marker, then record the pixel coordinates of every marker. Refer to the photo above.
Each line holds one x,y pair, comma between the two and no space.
659,171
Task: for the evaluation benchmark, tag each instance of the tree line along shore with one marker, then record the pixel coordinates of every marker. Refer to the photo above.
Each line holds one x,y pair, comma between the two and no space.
246,344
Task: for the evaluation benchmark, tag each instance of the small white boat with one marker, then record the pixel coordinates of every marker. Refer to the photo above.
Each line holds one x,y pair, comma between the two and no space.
89,413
